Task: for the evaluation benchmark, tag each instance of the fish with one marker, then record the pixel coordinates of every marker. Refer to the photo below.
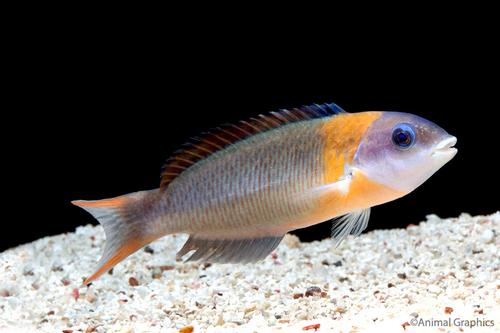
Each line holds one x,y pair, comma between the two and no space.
237,189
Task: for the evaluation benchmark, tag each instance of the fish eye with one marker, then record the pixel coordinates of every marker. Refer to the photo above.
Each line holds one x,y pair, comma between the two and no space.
403,136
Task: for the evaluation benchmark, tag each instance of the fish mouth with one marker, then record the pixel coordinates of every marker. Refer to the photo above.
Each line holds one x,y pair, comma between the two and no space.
445,147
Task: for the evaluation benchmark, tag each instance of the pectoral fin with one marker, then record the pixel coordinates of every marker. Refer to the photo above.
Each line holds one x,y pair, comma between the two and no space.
353,223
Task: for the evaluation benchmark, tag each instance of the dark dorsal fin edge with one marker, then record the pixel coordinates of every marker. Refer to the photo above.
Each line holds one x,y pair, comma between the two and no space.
200,147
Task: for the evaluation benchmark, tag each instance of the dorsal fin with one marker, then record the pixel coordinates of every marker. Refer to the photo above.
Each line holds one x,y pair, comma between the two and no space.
216,139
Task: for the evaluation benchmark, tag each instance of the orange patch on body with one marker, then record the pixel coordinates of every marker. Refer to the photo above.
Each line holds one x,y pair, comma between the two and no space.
342,135
362,193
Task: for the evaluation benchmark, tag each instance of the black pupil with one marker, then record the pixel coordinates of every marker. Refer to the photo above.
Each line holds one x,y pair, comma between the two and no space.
402,138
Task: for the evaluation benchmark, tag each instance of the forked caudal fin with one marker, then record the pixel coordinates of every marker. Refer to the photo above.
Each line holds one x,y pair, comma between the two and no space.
125,231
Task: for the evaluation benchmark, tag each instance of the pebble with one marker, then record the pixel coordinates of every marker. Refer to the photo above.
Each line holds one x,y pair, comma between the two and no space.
434,289
487,236
133,281
90,296
186,329
313,291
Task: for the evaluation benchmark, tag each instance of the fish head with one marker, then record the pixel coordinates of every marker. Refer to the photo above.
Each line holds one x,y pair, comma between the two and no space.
402,150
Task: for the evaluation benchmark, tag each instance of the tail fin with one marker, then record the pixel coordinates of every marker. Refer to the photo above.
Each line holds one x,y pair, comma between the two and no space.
125,230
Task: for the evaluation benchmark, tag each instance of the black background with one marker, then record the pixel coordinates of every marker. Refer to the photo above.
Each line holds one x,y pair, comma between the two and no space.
96,113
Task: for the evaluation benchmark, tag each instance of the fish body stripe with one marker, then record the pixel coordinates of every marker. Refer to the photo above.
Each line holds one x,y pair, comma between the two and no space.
255,183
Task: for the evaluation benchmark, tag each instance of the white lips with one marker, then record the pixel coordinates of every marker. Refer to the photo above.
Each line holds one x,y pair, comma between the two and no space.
446,143
446,146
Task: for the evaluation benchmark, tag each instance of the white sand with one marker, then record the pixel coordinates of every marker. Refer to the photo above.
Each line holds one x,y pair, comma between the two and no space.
379,281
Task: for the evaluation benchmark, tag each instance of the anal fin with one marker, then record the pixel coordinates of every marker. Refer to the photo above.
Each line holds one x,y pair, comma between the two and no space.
229,250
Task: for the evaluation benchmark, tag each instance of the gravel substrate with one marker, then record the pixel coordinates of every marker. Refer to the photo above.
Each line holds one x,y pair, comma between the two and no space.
381,281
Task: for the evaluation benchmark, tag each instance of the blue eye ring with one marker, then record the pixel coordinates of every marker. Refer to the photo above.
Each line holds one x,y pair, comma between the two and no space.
403,136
